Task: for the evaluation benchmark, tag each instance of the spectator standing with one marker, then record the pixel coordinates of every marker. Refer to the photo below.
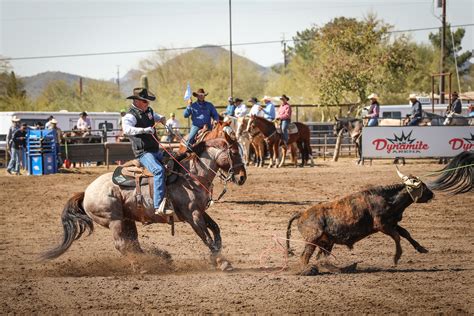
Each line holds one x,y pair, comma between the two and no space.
374,110
173,126
18,143
59,136
48,123
201,113
15,125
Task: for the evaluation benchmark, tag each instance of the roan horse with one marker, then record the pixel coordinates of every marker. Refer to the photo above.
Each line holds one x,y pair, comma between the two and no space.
274,140
115,207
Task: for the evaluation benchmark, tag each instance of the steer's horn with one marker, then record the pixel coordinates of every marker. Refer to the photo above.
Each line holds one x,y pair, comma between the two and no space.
401,175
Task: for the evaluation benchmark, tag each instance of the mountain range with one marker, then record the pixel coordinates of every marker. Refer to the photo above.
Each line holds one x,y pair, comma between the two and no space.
34,85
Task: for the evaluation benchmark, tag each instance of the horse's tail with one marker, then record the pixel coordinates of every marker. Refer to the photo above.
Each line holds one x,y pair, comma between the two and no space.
75,223
458,176
288,233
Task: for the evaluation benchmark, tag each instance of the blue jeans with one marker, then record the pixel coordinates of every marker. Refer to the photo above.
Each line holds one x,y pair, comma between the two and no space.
373,122
284,129
14,163
414,121
152,162
192,133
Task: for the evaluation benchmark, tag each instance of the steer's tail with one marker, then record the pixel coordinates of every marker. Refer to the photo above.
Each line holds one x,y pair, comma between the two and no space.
288,233
75,223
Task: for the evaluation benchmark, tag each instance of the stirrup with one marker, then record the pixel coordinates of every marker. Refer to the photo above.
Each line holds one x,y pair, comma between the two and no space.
165,208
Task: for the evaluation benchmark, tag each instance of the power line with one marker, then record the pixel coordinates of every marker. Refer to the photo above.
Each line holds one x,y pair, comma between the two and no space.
194,47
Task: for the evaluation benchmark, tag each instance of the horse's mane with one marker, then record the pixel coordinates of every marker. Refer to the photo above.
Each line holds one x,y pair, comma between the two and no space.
264,120
199,148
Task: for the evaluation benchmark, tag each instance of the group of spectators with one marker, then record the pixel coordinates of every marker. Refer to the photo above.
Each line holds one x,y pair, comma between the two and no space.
414,118
16,137
266,109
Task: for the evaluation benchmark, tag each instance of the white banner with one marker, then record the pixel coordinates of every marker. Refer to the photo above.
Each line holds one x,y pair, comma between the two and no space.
416,142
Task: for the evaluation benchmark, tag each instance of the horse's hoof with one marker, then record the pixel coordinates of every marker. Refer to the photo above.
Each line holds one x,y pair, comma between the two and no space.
226,266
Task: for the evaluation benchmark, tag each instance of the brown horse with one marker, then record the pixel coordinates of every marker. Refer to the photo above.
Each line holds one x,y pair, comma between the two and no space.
274,140
218,131
115,207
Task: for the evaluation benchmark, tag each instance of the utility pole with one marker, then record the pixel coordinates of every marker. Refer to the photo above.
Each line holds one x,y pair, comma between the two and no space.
443,39
285,55
118,78
230,51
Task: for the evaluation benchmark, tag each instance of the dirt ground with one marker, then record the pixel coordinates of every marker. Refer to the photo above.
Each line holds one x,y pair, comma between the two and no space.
93,277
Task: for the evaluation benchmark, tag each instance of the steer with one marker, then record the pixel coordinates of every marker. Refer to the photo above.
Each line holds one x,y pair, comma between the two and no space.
356,216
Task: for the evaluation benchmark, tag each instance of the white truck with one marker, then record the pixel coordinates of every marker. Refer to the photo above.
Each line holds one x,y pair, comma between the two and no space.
66,122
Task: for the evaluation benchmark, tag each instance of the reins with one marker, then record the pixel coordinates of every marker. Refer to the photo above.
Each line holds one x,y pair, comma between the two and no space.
220,175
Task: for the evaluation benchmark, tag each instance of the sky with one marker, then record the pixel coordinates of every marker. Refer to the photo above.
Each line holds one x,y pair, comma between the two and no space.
31,28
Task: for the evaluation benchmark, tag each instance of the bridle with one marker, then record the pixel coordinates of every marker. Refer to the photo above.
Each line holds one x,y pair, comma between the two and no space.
231,172
265,138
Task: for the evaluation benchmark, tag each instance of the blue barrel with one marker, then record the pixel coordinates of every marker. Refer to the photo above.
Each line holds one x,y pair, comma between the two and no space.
41,152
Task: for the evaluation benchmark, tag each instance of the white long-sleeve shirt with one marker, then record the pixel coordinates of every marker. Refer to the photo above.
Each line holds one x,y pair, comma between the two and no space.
241,110
84,124
129,121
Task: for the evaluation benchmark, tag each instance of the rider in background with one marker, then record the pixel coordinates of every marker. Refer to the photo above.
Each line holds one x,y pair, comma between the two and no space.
230,110
201,113
240,108
374,110
84,122
255,107
138,125
269,109
416,110
456,105
284,115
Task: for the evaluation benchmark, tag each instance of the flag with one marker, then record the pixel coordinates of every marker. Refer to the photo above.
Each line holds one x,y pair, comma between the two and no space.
187,94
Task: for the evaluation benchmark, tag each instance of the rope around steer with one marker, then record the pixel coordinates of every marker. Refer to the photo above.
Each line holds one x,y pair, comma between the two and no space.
278,247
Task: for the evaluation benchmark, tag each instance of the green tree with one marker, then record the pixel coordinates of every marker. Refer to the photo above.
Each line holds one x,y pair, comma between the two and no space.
347,59
12,93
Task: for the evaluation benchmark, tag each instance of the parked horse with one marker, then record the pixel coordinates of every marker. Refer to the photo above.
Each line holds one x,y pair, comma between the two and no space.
376,209
353,126
116,207
274,140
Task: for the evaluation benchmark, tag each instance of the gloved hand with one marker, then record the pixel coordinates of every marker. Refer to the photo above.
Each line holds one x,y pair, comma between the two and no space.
149,130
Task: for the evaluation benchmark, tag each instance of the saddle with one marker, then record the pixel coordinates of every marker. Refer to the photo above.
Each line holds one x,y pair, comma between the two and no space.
292,128
133,175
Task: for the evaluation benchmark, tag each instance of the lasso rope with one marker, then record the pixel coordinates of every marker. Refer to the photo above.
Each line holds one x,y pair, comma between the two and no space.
277,247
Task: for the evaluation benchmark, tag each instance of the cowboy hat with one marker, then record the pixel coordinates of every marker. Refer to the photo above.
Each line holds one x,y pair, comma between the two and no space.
15,119
455,93
199,92
237,100
230,99
253,100
412,96
284,97
266,97
83,114
142,94
373,96
53,121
